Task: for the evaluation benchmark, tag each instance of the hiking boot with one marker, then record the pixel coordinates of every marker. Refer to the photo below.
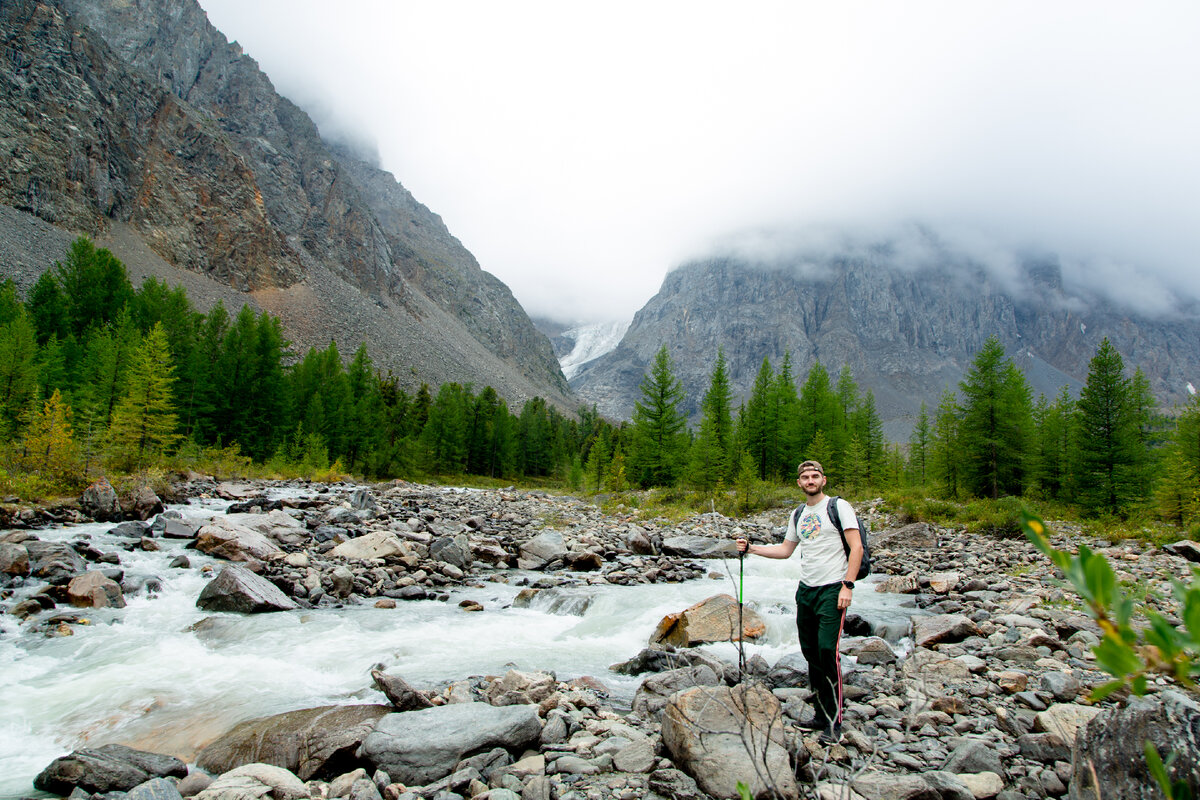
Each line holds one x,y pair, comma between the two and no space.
830,735
813,724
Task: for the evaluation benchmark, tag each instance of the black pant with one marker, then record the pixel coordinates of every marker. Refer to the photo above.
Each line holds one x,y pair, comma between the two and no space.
819,625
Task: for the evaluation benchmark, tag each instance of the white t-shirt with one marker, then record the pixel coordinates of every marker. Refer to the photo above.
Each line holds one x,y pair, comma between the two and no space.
818,543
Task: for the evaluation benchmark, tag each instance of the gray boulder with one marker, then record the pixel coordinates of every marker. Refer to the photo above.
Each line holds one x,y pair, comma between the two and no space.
1110,750
1184,549
699,547
155,789
651,696
454,550
240,590
14,559
255,781
541,550
109,768
311,743
53,562
400,694
974,755
417,747
721,735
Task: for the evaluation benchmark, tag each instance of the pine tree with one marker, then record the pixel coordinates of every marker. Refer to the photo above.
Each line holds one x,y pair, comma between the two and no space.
755,434
144,421
996,421
659,438
1109,445
712,454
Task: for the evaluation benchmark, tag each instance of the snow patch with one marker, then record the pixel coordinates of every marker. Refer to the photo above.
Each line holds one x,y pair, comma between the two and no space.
591,342
1191,389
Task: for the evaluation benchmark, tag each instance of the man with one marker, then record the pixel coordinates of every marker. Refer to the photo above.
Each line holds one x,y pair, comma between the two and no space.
826,589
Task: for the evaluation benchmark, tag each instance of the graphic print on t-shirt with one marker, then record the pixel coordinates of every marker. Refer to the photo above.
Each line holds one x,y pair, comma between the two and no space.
810,526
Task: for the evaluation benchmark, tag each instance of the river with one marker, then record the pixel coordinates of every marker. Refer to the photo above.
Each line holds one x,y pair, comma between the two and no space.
150,677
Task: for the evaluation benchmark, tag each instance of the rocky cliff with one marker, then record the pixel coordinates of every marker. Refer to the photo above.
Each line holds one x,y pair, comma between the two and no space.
138,120
906,333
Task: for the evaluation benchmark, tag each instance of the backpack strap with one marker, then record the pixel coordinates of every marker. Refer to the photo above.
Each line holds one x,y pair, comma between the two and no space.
835,517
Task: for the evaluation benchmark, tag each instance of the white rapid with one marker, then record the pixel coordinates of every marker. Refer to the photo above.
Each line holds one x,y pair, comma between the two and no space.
149,676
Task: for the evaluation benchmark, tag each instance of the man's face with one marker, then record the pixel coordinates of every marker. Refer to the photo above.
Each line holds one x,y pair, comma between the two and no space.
811,481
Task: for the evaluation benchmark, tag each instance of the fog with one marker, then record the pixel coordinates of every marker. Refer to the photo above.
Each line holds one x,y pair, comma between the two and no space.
581,151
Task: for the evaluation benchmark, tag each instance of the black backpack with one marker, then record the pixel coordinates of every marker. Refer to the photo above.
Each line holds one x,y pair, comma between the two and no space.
864,568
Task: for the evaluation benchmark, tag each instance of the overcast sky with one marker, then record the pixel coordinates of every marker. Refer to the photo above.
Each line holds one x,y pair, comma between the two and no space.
580,151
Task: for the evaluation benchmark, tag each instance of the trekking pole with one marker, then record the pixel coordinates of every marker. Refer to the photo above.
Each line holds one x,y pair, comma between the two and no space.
741,628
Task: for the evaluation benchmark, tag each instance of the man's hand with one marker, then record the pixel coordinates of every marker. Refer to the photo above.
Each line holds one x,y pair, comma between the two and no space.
845,595
743,546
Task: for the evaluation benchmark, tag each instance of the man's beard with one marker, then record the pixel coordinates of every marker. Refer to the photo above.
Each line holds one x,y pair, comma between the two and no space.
812,492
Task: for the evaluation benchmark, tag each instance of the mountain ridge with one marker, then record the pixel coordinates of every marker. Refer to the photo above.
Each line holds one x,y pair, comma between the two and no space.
141,117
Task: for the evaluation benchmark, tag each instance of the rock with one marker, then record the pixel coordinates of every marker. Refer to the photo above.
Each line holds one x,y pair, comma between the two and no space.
699,547
899,584
918,535
402,696
1012,681
651,695
974,755
1111,746
943,582
130,530
888,786
714,619
53,562
637,756
1184,549
638,542
179,529
674,785
109,768
663,659
143,503
1044,747
14,559
982,785
416,747
256,781
376,544
94,590
155,789
519,688
224,537
308,743
454,550
341,581
195,783
720,735
584,561
948,785
940,628
1063,685
99,501
1065,720
239,590
872,650
541,550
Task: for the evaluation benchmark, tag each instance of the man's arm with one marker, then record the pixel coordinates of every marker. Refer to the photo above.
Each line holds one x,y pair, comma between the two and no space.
854,559
781,550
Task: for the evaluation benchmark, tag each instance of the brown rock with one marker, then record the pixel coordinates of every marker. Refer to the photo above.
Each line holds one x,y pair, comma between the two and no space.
712,620
94,590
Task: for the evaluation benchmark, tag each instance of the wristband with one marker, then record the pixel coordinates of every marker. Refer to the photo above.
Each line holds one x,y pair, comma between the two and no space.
848,584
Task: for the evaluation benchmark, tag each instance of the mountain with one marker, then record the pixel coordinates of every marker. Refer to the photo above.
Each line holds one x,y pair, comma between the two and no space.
140,125
906,331
577,345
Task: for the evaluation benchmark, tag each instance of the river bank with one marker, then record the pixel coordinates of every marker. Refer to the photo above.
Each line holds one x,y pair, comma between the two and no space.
979,648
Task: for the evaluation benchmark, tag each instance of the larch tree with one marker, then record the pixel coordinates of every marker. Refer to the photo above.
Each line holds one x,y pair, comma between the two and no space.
144,421
712,455
996,421
1109,446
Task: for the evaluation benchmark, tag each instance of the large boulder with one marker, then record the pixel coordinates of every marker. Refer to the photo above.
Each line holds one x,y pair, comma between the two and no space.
313,743
1184,549
238,589
100,502
53,562
418,747
376,544
454,550
399,693
721,735
142,503
1109,757
699,547
94,589
714,619
652,694
109,768
541,550
226,537
14,559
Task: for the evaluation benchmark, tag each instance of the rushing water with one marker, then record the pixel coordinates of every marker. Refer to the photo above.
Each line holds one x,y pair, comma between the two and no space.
150,677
